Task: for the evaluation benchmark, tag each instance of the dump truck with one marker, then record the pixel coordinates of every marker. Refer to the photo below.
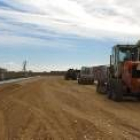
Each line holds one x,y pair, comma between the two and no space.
101,77
86,76
71,74
123,74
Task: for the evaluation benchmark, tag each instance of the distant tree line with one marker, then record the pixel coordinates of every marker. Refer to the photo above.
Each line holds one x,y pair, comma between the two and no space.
6,75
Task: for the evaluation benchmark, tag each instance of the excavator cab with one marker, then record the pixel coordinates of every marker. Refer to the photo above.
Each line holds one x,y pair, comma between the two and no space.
120,55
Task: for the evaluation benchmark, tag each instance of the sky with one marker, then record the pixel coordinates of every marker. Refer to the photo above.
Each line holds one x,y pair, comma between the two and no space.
62,34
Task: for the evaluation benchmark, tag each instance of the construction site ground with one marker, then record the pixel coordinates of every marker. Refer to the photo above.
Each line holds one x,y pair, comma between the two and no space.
50,108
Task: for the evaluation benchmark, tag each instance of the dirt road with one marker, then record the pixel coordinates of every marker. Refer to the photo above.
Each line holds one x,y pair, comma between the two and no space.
51,108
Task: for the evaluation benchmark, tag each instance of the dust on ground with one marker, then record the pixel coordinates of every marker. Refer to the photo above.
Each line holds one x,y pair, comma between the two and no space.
50,108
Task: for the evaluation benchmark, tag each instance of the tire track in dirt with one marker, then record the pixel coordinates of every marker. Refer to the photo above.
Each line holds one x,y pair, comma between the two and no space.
14,107
104,112
51,108
67,99
3,131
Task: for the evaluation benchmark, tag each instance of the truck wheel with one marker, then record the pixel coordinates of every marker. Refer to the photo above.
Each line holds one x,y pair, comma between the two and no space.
117,94
79,81
101,88
90,82
93,82
84,81
98,88
109,92
109,95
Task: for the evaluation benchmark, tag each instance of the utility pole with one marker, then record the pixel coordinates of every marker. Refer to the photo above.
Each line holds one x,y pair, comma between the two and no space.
24,68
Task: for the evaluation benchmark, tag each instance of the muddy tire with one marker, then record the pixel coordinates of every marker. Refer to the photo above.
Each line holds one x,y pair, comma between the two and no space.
98,88
101,88
116,91
109,95
79,81
93,82
109,92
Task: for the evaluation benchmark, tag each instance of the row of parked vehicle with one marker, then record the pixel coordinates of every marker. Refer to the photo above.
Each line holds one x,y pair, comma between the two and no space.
118,79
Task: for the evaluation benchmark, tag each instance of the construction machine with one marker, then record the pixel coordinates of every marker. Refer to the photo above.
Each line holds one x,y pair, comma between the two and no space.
101,78
122,77
124,72
71,74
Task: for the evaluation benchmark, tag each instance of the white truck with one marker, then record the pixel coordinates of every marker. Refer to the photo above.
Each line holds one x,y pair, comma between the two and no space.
86,76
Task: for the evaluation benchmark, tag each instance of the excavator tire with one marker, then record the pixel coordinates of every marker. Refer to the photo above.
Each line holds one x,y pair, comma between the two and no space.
100,88
116,91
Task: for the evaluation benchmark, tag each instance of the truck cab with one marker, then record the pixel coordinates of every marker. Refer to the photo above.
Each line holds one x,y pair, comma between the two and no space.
86,76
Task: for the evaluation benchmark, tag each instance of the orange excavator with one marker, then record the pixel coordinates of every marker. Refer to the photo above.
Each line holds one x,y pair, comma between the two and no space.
124,72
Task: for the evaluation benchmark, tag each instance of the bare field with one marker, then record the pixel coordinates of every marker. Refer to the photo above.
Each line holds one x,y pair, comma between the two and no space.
51,108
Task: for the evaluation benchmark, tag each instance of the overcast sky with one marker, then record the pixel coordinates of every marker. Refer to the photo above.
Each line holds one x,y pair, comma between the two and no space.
58,34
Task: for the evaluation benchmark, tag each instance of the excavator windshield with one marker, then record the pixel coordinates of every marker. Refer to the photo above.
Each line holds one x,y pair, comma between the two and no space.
124,54
129,53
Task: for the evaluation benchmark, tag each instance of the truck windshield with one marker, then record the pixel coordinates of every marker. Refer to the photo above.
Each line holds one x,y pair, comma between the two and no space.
86,71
